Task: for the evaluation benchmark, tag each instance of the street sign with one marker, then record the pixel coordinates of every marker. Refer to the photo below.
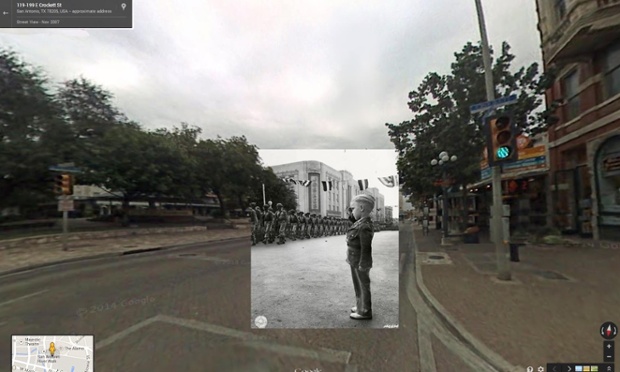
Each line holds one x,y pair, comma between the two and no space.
65,205
478,107
57,168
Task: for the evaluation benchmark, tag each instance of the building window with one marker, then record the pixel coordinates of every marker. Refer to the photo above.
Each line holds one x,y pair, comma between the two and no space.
612,71
571,94
560,9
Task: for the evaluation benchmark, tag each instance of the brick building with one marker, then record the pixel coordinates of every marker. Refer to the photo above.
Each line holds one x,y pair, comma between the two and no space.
581,39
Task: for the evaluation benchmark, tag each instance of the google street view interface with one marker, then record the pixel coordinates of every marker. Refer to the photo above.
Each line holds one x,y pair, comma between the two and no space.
301,186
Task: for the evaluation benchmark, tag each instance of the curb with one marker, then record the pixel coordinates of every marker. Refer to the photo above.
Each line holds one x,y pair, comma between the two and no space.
107,255
456,328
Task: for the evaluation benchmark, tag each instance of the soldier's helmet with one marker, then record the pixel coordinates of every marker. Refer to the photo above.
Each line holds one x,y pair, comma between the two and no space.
307,213
300,213
292,211
252,205
279,205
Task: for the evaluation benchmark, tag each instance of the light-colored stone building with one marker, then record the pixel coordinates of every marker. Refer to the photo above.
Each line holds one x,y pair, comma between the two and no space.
313,198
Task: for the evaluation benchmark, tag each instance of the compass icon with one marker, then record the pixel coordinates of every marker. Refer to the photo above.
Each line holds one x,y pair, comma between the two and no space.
609,330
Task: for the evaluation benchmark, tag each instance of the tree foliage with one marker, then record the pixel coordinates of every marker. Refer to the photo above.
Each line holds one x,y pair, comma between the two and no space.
79,123
442,120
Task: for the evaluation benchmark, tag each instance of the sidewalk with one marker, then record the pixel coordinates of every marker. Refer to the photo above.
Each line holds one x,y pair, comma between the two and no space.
36,255
550,312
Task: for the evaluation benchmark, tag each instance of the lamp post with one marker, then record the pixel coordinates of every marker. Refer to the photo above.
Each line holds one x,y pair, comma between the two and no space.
443,160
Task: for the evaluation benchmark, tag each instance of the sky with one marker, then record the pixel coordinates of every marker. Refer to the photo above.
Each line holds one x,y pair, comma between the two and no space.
286,74
363,164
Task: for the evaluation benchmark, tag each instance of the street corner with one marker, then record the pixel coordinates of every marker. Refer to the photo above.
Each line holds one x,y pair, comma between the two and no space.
434,258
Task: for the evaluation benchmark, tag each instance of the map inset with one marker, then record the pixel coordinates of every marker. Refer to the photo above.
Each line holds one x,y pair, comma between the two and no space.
55,353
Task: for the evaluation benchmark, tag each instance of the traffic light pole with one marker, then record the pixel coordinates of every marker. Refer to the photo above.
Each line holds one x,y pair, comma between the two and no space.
65,230
503,265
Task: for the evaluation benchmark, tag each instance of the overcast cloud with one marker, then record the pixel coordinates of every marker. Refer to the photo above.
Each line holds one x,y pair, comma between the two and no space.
286,74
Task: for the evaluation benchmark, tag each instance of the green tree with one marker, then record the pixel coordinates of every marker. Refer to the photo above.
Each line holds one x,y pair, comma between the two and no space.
229,168
27,114
442,120
146,168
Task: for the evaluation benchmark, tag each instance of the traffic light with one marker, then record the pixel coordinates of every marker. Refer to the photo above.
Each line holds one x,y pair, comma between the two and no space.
63,184
501,134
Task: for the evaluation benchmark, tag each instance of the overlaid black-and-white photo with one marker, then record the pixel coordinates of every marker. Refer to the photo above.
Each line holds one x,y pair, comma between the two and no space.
325,241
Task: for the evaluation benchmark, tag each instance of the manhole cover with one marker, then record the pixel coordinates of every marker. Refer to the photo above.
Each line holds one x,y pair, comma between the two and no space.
552,275
434,258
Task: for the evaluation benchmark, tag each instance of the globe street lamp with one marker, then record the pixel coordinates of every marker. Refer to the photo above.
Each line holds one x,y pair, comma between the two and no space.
444,159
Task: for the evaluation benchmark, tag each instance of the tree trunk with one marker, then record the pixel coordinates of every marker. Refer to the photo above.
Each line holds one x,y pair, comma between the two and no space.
223,210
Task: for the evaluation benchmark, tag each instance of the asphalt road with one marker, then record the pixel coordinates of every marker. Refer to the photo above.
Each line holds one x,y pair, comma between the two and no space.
168,311
307,283
189,310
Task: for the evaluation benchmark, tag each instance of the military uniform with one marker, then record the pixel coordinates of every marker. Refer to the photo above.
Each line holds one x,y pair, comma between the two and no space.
269,221
359,257
254,222
307,227
282,218
292,219
259,224
301,227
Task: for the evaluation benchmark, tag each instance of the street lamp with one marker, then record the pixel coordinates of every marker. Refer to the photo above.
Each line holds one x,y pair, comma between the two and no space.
443,160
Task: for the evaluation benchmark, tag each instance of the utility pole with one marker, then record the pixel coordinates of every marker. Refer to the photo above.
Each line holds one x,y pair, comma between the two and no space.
503,265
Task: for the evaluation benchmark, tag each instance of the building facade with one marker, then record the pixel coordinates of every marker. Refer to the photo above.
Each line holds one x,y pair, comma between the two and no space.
581,40
313,198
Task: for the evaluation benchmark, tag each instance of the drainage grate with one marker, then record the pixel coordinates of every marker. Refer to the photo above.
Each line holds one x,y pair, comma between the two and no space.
436,257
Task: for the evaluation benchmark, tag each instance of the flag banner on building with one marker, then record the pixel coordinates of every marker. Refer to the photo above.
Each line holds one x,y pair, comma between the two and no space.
389,181
363,184
327,185
330,184
305,183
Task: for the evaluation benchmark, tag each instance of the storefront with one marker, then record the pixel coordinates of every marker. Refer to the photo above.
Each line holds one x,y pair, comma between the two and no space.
605,154
525,187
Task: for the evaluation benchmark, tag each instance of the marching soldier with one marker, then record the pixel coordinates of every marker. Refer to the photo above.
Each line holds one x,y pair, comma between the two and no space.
269,219
282,218
292,225
259,223
253,221
301,227
307,227
314,225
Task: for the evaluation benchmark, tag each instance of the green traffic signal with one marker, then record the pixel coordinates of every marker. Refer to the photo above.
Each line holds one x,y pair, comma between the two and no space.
504,152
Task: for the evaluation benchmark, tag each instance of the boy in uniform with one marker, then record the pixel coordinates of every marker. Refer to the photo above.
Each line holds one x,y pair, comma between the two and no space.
359,253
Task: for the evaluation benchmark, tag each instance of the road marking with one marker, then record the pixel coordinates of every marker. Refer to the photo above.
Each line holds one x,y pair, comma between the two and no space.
122,334
22,298
323,355
260,342
211,328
